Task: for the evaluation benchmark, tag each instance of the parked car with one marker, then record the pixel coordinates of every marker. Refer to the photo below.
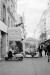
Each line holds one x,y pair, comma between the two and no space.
31,51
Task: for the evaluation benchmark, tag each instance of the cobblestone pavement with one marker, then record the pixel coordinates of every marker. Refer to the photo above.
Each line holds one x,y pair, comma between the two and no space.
29,66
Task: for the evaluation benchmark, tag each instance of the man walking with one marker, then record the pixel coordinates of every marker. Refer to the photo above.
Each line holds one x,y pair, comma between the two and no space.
40,50
48,51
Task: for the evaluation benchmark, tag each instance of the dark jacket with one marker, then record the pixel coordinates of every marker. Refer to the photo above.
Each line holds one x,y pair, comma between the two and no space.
10,54
48,48
40,48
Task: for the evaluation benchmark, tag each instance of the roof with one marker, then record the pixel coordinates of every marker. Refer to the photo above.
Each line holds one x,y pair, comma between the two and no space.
46,41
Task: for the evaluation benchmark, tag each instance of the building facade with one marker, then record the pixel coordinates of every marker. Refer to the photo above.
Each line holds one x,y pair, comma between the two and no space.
10,13
43,36
45,24
7,19
3,28
20,23
42,27
9,22
7,12
48,21
16,33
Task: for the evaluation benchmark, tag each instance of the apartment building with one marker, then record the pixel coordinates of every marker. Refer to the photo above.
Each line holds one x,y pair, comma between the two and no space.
10,13
7,19
48,21
3,28
16,33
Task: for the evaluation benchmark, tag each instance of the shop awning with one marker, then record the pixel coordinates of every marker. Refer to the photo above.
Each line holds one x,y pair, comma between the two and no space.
3,27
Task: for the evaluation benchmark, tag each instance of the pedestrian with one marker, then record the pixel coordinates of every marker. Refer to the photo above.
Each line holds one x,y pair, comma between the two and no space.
10,54
40,50
45,49
48,51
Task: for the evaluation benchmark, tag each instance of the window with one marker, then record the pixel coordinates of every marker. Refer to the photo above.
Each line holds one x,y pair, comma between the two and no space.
4,13
8,21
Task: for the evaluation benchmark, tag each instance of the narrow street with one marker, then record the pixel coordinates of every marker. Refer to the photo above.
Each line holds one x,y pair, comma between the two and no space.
29,66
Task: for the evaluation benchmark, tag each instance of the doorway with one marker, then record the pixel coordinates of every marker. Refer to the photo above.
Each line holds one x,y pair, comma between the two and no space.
15,44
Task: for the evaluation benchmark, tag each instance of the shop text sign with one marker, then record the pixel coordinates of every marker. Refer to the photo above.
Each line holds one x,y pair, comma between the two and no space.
14,33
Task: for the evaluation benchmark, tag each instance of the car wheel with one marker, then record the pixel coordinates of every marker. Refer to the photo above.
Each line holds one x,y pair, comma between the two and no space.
16,57
21,58
6,58
32,56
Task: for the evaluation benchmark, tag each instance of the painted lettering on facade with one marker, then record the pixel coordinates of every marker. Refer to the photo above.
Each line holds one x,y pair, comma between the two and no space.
14,34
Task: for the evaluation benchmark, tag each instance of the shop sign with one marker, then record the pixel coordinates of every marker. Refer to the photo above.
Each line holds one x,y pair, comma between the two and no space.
14,33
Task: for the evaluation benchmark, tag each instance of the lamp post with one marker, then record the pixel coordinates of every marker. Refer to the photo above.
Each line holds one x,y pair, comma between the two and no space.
34,38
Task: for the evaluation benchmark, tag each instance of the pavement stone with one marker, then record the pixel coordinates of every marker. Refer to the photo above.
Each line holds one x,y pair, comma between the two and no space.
28,66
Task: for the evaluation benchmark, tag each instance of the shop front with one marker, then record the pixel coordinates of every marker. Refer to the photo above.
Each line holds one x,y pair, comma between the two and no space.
14,38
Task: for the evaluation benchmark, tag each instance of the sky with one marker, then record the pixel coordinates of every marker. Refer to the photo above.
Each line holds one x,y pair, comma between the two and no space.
33,10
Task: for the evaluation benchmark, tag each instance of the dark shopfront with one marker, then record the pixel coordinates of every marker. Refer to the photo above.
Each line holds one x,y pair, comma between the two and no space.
19,44
16,44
